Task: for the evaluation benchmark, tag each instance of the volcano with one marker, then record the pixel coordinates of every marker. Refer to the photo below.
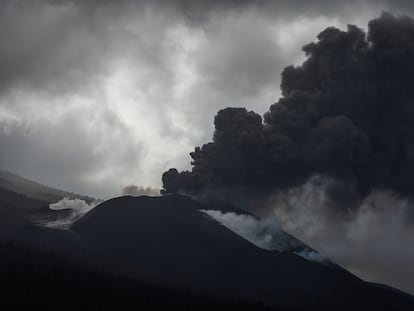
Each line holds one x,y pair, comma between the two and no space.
168,240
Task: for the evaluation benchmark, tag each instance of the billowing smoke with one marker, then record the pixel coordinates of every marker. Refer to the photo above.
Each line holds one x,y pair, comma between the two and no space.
77,208
137,191
347,112
374,240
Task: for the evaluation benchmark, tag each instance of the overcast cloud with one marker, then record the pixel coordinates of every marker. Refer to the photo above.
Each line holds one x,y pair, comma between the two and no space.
97,95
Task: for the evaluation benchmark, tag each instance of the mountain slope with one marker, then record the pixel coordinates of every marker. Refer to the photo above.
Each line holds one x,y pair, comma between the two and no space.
167,240
31,189
38,278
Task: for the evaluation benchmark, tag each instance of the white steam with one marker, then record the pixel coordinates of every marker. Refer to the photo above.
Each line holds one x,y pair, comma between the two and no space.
311,255
76,207
374,240
259,232
264,233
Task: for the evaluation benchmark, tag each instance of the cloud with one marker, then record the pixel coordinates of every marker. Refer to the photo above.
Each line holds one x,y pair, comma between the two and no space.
81,101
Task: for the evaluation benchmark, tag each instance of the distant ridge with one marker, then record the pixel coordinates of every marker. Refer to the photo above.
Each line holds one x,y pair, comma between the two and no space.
13,182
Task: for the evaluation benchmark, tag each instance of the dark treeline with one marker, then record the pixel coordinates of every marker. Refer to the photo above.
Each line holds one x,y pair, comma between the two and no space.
19,208
11,199
35,278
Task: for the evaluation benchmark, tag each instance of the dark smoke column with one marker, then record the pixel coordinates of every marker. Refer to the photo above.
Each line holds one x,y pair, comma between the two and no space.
346,112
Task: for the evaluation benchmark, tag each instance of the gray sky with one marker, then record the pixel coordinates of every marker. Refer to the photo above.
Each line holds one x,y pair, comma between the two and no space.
96,95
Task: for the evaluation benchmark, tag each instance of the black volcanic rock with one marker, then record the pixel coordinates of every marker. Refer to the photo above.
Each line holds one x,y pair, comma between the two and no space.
33,278
168,241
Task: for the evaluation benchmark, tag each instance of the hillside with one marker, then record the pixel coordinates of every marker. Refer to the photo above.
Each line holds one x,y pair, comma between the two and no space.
168,241
18,209
34,190
33,277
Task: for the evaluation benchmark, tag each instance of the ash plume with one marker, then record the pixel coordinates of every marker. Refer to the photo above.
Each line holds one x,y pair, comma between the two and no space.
347,113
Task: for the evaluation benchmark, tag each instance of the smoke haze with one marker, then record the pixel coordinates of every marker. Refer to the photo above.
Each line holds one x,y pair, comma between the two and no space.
374,240
265,233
